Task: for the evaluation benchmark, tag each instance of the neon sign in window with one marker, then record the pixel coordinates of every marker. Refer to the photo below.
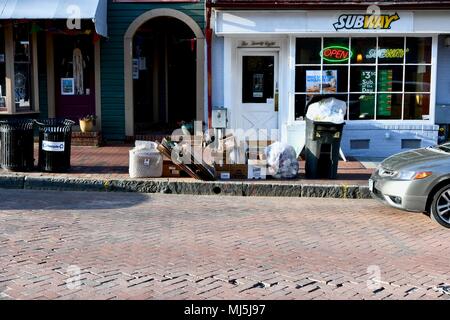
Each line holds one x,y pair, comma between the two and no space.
336,54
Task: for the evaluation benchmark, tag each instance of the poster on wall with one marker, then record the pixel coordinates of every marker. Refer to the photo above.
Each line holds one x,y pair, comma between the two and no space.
135,69
258,85
327,77
67,86
367,102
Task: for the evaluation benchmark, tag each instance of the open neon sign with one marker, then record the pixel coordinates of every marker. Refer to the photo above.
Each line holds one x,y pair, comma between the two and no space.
336,54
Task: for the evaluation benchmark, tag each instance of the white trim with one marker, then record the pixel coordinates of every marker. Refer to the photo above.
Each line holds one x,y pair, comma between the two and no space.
433,82
9,68
98,86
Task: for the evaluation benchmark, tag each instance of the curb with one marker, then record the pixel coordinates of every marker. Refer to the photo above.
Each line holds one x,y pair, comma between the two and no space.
166,186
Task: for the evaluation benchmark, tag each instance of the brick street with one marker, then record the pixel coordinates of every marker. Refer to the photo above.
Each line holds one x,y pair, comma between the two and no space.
85,245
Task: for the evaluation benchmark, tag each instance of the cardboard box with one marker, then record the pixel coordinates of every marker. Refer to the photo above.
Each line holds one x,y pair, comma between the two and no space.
231,171
257,169
170,170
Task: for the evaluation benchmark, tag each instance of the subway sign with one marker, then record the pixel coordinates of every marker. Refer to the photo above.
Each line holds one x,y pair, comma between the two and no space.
365,21
336,54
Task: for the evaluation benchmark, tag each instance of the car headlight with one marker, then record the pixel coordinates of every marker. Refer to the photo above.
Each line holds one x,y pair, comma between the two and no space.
405,175
412,175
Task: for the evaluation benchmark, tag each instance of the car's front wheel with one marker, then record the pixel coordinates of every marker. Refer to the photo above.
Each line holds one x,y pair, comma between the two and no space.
440,207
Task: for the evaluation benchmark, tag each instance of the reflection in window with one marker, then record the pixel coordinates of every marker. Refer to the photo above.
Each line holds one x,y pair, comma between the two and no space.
418,50
361,106
308,50
417,78
22,67
417,106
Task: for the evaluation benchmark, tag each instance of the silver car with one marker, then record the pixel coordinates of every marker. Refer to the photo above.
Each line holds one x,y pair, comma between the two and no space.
416,180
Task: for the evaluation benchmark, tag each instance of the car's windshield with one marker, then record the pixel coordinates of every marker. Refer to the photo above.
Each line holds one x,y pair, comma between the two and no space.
444,147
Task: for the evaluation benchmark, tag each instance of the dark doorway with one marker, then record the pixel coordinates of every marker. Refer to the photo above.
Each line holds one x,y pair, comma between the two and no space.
74,76
164,76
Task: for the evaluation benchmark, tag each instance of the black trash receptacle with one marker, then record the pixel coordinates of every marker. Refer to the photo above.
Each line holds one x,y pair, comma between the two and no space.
323,141
17,144
55,137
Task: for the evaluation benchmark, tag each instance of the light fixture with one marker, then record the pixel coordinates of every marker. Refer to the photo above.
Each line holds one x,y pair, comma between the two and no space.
359,58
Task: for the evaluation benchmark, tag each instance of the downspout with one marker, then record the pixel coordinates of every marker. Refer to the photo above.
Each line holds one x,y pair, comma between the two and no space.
208,33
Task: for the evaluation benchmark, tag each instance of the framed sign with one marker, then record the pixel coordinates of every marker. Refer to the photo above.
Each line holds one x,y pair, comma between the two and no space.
135,69
67,87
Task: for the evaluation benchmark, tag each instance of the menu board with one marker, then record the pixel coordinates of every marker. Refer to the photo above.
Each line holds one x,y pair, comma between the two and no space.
367,102
385,99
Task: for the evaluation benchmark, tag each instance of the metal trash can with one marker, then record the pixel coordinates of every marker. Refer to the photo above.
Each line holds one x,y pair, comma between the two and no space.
323,141
17,144
55,136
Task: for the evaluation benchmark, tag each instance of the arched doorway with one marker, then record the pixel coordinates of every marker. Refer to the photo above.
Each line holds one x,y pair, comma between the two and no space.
164,66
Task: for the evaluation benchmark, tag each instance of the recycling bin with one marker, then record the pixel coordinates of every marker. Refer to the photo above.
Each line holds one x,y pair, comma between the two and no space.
322,145
55,136
17,144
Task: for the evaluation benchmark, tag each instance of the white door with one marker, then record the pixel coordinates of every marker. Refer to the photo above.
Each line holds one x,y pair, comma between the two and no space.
257,91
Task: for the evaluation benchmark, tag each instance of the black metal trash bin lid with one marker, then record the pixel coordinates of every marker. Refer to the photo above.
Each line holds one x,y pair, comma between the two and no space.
55,125
17,144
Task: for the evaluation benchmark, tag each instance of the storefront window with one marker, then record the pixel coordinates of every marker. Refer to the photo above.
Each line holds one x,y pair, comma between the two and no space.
22,67
308,50
379,77
364,50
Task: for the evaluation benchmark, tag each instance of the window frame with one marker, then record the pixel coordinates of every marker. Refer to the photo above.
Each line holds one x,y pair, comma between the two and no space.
376,65
11,109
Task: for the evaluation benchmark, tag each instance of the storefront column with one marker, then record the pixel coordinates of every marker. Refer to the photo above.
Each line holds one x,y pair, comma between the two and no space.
9,60
35,72
98,86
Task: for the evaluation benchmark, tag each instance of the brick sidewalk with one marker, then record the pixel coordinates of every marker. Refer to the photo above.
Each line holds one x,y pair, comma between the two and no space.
111,162
59,245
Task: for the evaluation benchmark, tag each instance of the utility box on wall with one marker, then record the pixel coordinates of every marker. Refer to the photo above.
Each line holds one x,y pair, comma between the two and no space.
219,118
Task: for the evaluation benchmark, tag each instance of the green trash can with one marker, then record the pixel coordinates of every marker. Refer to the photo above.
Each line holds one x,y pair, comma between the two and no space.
55,137
17,144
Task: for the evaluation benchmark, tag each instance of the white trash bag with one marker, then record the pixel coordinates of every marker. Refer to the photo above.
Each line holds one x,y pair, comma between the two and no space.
282,161
327,110
145,160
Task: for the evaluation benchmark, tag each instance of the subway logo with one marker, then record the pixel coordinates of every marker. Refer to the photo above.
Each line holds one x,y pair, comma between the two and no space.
365,21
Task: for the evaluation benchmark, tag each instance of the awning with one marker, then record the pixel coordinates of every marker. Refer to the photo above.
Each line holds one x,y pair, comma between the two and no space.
57,9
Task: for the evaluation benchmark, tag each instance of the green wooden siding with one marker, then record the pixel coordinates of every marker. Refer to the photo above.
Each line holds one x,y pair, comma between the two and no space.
120,16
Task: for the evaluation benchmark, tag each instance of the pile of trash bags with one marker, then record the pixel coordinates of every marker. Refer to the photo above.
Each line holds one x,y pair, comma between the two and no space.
282,161
327,110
